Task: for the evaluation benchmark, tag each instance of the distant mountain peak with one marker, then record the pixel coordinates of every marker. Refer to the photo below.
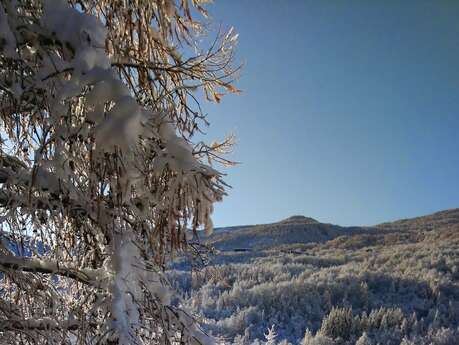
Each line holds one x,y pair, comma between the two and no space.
299,219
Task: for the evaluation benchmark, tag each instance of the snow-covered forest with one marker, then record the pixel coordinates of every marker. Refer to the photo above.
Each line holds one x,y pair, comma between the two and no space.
396,283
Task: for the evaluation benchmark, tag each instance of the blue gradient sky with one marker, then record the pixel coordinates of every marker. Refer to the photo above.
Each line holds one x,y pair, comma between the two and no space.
349,111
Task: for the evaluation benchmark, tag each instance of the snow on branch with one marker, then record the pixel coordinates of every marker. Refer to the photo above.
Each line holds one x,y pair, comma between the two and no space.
42,324
27,264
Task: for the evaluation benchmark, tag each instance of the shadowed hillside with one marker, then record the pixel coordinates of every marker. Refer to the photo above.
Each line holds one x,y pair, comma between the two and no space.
393,283
296,229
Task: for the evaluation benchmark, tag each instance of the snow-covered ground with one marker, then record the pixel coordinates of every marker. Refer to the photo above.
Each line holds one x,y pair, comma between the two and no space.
396,283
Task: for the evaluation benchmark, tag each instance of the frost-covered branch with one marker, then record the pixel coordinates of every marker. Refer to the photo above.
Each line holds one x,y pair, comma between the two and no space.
27,264
45,324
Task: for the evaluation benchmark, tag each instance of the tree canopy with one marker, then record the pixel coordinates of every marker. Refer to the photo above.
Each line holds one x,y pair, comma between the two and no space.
100,176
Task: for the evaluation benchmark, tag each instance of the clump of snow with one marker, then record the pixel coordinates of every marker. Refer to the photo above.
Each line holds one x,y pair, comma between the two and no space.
121,127
126,291
78,29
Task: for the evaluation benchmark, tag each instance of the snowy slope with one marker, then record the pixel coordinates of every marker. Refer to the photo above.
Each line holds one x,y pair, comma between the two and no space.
396,283
296,229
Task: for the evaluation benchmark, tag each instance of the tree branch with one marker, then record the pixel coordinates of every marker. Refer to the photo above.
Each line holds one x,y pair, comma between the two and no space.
37,325
25,264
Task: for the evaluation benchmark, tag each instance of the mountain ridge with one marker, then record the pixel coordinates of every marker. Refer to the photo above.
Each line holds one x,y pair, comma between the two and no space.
301,229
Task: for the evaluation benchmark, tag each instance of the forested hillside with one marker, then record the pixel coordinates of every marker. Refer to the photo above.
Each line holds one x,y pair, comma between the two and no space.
394,283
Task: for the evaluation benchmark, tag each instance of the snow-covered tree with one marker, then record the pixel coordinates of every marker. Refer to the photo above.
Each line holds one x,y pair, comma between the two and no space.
318,339
99,177
364,340
338,324
270,336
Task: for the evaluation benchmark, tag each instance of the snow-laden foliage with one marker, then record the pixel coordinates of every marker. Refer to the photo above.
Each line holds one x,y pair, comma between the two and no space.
99,177
394,284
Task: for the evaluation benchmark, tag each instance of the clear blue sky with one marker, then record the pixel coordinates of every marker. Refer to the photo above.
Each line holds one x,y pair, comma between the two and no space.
349,111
